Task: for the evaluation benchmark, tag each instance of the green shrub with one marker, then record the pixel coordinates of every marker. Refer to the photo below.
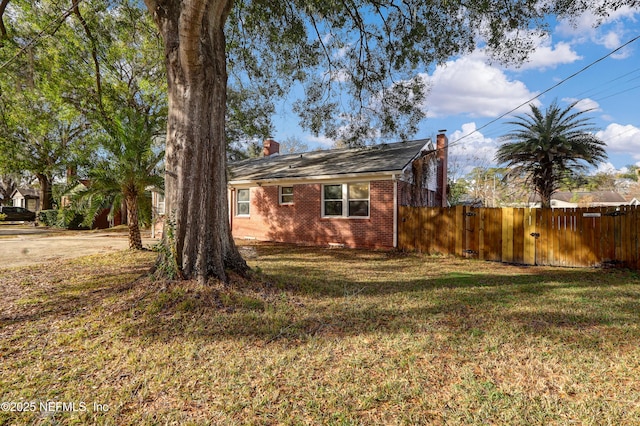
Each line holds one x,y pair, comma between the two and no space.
62,218
48,217
2,217
70,219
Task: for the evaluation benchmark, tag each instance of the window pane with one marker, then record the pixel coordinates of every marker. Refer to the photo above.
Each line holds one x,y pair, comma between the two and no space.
286,195
243,195
333,208
358,208
243,208
333,192
358,191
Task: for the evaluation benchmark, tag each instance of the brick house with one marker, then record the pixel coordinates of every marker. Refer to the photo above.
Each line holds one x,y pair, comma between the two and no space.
342,197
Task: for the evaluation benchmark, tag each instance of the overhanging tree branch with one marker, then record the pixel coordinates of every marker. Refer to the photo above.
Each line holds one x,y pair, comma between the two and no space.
94,56
3,29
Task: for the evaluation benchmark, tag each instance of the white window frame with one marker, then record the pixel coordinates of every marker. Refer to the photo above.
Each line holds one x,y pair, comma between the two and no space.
238,202
345,200
280,194
160,204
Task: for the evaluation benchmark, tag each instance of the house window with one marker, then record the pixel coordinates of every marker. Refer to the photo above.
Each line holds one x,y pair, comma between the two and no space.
160,204
242,202
358,199
346,200
286,195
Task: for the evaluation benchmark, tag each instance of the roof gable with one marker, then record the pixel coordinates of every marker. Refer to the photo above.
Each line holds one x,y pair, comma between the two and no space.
26,192
392,157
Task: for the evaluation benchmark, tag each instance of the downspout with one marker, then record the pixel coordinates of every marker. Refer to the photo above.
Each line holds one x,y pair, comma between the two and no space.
442,148
395,210
230,194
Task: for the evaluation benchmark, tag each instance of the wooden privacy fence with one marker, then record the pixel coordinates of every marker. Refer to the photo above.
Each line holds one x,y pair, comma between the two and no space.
575,237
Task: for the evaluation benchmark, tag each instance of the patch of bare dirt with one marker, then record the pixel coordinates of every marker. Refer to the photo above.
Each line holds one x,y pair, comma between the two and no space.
28,248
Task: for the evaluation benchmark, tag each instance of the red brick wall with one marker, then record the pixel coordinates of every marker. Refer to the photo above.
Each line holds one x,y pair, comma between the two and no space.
302,223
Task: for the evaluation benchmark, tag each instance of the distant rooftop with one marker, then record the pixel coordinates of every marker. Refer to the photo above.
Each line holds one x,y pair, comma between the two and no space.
392,157
594,197
27,192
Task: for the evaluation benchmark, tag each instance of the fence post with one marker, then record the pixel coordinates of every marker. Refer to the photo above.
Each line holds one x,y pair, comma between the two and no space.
459,231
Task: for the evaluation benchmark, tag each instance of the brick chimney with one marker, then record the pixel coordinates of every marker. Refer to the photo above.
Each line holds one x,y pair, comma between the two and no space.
442,148
270,147
71,173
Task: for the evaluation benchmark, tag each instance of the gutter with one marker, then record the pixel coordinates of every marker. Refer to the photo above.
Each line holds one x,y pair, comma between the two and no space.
347,177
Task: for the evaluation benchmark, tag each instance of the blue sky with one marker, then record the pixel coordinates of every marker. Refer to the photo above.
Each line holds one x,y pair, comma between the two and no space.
468,93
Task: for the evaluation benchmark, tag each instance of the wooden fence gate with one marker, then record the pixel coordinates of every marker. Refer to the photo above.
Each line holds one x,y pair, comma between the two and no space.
574,237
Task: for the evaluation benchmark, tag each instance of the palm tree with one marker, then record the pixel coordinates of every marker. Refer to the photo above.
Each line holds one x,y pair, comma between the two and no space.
125,171
546,146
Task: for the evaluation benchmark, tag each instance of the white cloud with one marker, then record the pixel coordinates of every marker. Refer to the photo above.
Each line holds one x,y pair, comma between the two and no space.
469,86
605,168
319,141
468,149
585,104
610,33
546,55
610,40
623,139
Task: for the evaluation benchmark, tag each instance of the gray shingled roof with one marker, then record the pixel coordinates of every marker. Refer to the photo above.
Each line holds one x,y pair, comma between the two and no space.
594,197
27,192
391,157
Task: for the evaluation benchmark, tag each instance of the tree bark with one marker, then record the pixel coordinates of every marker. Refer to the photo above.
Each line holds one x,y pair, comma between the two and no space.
195,161
135,241
46,194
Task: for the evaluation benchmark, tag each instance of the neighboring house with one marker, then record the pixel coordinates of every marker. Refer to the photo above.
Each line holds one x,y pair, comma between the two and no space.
157,212
341,197
584,199
29,198
102,220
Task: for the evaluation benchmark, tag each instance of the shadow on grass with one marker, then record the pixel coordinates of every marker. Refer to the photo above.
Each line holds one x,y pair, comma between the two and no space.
375,292
42,294
302,293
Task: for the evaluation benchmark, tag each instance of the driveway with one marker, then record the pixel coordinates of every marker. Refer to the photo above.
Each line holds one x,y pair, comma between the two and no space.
23,245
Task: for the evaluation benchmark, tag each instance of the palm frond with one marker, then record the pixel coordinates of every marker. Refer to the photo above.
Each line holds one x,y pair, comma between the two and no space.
545,146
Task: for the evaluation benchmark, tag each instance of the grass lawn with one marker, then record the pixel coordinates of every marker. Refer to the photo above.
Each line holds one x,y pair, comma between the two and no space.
320,336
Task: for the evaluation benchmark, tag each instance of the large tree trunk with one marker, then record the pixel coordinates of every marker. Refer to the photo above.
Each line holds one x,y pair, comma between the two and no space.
196,183
46,193
135,241
545,186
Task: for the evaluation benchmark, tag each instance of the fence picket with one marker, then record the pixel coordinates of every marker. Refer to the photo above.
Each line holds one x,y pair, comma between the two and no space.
560,237
529,237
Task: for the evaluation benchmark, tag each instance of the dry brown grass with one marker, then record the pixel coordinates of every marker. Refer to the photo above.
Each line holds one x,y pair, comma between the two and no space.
322,337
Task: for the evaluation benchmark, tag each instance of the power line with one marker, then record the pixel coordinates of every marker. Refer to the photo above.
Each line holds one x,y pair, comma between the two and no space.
547,90
605,86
